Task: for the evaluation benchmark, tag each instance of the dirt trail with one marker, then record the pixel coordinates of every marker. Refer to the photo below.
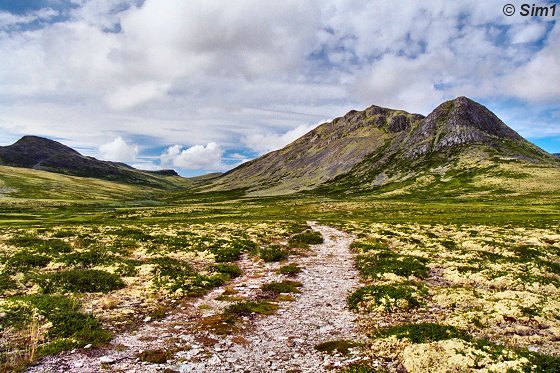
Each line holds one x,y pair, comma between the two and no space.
281,342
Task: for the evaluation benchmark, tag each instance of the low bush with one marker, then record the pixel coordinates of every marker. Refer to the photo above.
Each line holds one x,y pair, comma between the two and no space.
155,356
305,239
6,282
388,297
86,259
65,315
341,346
247,308
290,269
230,270
422,333
376,264
80,280
277,288
273,253
25,260
53,246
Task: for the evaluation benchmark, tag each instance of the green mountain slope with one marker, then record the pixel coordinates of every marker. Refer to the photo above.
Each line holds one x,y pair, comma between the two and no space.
329,150
461,147
47,155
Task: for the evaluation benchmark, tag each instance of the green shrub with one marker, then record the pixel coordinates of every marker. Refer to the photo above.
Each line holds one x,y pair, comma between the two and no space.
374,265
80,280
422,333
63,233
58,345
282,287
24,260
239,309
230,251
231,270
290,269
430,332
273,253
53,246
64,313
86,259
155,356
305,239
6,282
176,275
371,245
201,284
391,297
341,346
131,233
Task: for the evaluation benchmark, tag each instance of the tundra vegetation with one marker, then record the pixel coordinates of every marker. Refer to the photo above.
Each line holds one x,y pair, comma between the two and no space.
455,219
465,283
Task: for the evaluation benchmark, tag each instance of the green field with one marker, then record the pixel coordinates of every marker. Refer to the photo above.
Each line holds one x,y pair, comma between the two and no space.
473,281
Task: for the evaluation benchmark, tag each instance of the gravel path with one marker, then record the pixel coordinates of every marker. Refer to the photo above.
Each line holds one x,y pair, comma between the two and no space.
281,342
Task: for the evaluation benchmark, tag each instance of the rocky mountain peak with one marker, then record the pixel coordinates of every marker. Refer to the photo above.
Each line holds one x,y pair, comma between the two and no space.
458,122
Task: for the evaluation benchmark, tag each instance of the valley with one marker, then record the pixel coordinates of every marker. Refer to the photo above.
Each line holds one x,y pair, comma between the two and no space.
433,244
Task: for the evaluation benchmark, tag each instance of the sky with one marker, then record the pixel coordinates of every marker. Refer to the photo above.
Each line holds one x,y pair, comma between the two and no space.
202,86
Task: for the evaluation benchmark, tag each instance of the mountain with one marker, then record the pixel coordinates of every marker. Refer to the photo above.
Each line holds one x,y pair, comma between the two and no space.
43,154
460,143
556,154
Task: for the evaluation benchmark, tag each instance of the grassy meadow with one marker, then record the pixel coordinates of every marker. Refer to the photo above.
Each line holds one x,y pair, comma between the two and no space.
463,282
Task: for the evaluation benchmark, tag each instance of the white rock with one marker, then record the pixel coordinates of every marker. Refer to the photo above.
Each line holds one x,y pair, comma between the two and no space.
106,360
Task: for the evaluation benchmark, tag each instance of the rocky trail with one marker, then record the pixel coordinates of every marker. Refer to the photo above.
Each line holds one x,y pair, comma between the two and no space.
284,341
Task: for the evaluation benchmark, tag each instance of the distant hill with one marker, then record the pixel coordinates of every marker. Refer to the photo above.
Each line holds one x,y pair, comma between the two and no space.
39,153
460,146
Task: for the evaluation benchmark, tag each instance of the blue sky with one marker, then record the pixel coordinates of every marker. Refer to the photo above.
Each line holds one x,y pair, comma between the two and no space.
202,86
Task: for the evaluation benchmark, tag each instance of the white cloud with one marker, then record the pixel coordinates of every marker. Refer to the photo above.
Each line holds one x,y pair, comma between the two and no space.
8,19
131,96
196,157
264,143
527,33
147,166
118,150
532,80
196,72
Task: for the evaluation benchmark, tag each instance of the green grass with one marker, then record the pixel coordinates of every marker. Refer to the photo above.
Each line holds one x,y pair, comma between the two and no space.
43,246
273,253
80,280
341,346
68,321
374,265
248,308
389,297
304,239
24,260
86,224
286,286
230,270
422,333
87,259
291,269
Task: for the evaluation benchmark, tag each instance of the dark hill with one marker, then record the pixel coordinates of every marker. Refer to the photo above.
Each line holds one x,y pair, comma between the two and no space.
48,155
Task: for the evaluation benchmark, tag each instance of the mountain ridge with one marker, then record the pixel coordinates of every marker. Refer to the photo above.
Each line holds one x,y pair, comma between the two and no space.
44,154
365,150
